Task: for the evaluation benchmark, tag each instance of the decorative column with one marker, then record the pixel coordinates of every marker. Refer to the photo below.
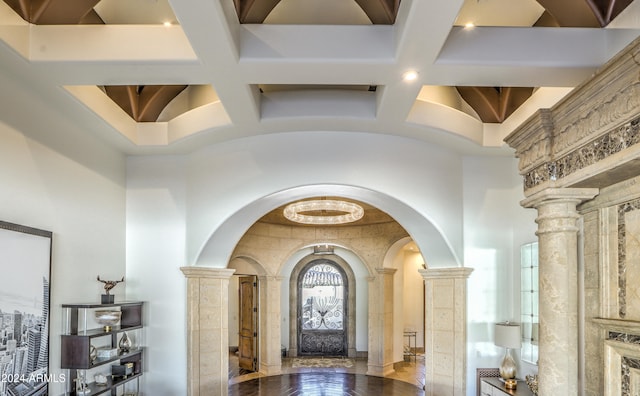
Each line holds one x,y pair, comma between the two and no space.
207,330
270,320
380,362
558,284
445,302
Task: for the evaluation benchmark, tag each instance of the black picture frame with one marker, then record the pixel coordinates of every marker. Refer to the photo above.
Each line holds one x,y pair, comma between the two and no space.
25,291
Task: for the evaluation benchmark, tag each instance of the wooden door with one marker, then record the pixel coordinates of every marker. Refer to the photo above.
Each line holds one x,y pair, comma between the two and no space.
248,337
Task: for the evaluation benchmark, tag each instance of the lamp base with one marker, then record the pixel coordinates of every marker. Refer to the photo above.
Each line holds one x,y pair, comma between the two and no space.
508,366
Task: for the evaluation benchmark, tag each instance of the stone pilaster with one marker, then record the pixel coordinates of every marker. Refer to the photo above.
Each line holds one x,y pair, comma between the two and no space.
445,344
381,323
558,287
270,320
207,330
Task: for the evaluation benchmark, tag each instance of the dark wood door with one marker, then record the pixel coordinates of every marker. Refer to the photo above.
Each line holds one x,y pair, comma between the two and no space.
248,323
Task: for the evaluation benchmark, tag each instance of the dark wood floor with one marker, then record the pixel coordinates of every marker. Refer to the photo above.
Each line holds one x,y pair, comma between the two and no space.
323,384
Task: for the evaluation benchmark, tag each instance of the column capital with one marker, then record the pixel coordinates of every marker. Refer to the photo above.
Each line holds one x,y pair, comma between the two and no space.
386,271
559,194
446,273
194,271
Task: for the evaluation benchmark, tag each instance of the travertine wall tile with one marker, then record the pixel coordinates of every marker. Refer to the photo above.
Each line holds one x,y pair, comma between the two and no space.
207,330
445,335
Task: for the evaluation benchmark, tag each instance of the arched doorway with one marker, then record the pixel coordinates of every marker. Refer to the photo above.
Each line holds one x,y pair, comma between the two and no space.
323,290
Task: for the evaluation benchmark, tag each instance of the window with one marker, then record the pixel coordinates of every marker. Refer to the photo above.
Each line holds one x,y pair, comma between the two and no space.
529,301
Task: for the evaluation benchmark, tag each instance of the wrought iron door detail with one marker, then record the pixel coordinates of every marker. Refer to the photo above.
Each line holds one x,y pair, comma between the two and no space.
322,292
323,343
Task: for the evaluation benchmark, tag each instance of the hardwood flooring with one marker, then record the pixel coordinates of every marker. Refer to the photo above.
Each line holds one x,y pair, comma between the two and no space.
408,380
323,384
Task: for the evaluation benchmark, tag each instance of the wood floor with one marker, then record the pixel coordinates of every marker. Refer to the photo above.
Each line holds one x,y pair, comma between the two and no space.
408,380
323,384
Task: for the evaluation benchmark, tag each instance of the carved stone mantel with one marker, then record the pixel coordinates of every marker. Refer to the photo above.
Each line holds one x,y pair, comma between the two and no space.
587,143
591,137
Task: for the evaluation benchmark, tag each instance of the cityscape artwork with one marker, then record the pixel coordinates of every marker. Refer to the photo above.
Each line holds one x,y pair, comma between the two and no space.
25,270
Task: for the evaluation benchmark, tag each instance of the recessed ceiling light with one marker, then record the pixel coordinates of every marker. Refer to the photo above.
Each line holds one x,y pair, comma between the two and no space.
469,25
410,75
167,24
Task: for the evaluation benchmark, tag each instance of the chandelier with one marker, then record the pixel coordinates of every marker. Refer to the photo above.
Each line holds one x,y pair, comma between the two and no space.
323,212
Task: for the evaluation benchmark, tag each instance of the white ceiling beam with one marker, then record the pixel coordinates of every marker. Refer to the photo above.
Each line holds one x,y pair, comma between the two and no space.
538,46
212,28
422,28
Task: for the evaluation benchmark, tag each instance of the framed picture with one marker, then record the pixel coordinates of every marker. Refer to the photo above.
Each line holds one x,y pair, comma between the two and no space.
25,273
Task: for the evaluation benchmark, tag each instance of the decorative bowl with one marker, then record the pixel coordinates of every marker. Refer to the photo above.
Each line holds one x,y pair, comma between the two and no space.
108,318
101,379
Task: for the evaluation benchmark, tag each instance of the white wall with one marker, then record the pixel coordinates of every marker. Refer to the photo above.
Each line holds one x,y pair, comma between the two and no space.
206,187
63,180
413,311
495,226
227,178
481,194
156,235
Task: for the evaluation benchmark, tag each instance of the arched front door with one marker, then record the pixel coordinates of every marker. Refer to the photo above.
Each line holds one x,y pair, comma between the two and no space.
322,320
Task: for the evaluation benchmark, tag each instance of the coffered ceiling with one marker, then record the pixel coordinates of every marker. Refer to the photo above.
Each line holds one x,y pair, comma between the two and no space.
158,76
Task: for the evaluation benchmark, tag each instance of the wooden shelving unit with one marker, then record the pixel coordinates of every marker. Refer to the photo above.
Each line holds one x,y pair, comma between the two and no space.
77,340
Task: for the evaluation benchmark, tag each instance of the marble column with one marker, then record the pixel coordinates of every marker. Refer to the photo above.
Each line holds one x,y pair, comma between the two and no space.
445,345
380,362
270,320
207,330
558,287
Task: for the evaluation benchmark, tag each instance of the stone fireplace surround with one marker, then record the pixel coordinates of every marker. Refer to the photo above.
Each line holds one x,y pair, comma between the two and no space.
579,161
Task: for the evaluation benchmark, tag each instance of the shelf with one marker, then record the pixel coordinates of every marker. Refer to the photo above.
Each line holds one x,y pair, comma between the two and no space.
76,345
94,333
100,362
95,389
98,305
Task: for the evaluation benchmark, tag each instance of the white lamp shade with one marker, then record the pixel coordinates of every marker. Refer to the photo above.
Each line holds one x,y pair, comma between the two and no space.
507,335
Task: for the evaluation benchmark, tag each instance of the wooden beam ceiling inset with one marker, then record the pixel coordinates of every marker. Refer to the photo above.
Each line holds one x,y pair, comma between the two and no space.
254,11
494,105
143,103
381,12
56,12
583,13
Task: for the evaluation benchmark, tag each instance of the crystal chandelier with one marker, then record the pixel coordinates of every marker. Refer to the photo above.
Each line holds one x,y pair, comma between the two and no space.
348,212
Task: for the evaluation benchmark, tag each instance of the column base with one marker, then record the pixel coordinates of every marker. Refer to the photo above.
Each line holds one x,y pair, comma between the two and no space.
380,371
270,369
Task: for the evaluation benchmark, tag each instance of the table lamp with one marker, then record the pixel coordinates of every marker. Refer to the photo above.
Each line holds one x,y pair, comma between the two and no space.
507,335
